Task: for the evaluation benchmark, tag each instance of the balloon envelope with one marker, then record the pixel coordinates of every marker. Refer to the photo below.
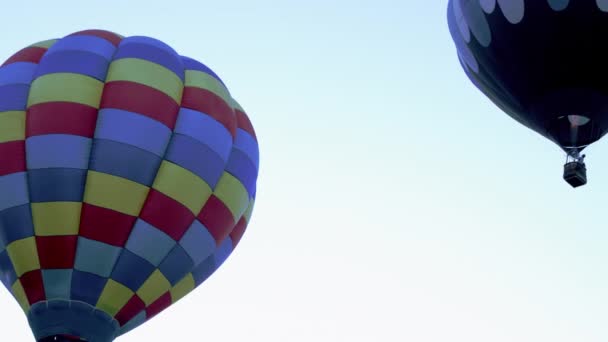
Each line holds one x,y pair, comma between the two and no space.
127,177
543,62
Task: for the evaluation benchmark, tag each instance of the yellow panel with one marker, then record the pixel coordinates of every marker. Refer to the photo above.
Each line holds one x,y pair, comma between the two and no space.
24,255
234,195
147,73
66,87
56,218
154,287
182,288
199,79
45,44
20,295
249,211
183,186
114,297
116,193
12,126
236,105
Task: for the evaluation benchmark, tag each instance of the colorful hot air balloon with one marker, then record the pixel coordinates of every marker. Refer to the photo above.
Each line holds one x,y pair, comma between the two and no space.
127,177
543,63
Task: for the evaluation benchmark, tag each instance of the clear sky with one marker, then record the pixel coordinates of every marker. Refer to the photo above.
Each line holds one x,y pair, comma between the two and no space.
395,202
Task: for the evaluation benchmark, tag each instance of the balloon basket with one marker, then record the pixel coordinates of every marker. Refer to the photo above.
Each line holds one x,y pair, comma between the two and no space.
575,173
62,338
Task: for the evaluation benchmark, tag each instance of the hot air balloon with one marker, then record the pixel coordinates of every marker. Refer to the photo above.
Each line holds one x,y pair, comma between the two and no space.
543,62
127,177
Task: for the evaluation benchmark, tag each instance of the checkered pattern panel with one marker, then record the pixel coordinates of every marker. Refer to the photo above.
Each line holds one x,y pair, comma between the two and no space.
127,174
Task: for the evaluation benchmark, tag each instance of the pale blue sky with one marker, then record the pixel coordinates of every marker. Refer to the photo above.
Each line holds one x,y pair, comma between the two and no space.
395,202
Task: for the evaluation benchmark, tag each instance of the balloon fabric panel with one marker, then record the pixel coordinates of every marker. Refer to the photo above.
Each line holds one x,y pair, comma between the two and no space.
127,175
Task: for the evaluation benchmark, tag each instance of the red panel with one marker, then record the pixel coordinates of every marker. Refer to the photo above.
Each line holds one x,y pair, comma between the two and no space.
159,305
107,35
244,123
207,102
238,231
105,225
56,251
166,214
33,286
134,306
12,157
29,54
139,98
217,218
61,118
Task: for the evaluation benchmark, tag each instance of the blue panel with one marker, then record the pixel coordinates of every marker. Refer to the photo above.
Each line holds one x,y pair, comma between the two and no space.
148,41
90,44
209,265
139,319
96,257
242,169
130,48
57,151
14,97
192,64
7,271
196,157
13,188
205,129
198,242
77,62
176,265
132,270
17,73
246,143
86,287
149,242
51,185
125,161
223,251
57,283
134,129
203,270
15,224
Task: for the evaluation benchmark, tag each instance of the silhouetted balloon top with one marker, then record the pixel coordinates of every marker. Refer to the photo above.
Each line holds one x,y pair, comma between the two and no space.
127,177
543,62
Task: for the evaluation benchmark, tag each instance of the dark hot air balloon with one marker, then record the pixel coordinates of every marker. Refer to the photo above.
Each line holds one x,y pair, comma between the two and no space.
127,177
543,62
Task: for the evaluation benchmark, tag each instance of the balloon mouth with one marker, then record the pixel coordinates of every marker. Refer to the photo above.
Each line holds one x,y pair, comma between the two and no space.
573,131
578,120
63,338
66,320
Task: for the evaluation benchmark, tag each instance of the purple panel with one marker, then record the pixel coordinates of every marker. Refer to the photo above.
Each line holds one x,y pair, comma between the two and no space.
17,73
196,157
14,97
241,167
57,150
132,270
77,62
133,129
92,44
176,265
15,224
205,129
124,161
